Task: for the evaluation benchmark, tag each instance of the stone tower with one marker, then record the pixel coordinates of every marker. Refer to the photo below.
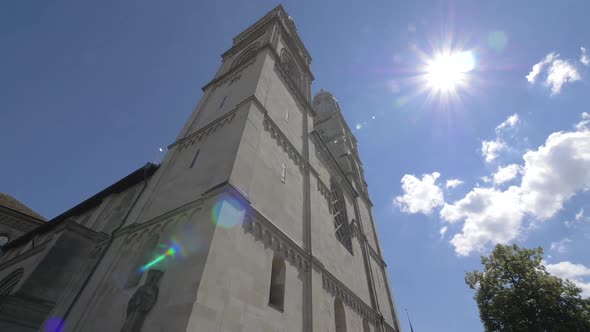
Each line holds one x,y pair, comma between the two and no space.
258,218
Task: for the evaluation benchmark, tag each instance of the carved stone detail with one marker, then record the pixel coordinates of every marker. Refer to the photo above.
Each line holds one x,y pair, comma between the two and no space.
142,302
281,246
347,297
284,143
206,131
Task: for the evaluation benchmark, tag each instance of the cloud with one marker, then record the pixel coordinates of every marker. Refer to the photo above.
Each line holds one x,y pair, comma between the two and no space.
453,183
574,272
532,76
585,123
561,245
443,231
510,122
490,216
420,196
558,72
506,173
551,175
579,218
554,172
584,57
490,150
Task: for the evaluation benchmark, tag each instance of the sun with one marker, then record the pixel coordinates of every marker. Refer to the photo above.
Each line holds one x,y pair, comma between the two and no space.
445,72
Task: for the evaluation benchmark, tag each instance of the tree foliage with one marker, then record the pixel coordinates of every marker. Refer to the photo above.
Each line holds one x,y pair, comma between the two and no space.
514,292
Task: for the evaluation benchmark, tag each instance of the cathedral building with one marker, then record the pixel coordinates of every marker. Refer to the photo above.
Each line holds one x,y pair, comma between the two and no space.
258,219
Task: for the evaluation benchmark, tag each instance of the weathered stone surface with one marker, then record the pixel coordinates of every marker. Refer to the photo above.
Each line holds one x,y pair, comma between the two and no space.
247,180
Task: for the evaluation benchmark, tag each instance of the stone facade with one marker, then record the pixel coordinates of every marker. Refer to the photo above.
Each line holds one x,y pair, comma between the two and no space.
258,219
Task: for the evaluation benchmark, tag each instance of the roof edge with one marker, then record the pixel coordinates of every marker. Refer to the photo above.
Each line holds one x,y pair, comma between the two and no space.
133,178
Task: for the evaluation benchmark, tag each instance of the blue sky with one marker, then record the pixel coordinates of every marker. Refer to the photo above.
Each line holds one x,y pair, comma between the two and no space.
89,91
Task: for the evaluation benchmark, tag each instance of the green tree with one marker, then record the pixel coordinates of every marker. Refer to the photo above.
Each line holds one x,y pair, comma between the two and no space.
514,292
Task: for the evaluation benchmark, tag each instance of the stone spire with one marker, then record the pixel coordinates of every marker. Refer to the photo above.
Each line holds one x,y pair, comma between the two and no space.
324,102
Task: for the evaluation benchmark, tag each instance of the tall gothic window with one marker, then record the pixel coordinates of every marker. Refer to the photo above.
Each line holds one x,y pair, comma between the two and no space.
339,316
290,68
276,296
340,216
10,281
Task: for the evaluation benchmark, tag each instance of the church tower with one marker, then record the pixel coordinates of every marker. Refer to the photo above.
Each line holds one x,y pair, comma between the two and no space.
258,218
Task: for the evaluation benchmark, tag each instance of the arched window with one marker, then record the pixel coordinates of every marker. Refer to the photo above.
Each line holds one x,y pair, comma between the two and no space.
340,216
10,281
245,55
143,257
290,68
366,327
339,316
276,297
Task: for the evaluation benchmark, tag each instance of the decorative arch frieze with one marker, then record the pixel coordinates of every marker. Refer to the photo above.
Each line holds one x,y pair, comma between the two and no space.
283,142
281,245
206,131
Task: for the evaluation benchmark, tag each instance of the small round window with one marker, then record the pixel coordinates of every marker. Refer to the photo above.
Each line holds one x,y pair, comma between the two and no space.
3,239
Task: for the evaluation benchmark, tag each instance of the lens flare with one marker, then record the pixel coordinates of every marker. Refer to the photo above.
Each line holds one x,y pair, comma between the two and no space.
497,40
446,72
170,252
228,211
54,324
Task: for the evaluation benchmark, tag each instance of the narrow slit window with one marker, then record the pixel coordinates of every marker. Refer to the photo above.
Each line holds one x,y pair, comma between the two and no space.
339,316
222,102
276,296
366,327
287,115
284,173
195,158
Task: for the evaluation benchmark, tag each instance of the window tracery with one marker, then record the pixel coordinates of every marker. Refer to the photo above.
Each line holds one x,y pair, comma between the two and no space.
341,225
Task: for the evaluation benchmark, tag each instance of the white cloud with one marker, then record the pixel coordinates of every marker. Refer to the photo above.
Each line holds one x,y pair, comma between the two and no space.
551,175
579,218
561,245
558,72
453,183
574,272
486,179
510,122
561,72
490,150
443,231
420,196
532,76
584,57
490,216
556,171
506,173
585,123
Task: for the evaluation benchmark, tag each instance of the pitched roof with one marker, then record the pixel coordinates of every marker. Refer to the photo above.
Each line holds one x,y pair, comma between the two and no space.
141,174
13,204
